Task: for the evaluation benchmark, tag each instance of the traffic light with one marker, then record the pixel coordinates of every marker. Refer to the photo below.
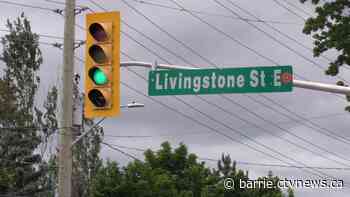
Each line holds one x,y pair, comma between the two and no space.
102,77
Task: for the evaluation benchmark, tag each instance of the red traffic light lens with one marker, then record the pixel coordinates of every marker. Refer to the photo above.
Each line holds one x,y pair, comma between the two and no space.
98,55
98,32
97,98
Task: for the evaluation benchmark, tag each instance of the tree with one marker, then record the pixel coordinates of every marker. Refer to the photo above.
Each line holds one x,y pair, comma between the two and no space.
26,129
174,173
330,29
20,167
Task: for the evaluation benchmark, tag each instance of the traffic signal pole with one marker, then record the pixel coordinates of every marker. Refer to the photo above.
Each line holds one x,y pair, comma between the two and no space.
65,152
296,83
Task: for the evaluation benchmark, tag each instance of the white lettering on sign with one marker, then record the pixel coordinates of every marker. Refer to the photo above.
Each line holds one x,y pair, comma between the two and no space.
196,84
254,78
277,77
240,81
262,79
158,86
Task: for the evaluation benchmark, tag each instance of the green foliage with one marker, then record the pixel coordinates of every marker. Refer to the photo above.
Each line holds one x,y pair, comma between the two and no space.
24,127
18,87
174,173
330,29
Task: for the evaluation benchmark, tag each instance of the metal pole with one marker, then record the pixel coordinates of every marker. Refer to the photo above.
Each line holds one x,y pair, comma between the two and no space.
296,83
65,152
322,87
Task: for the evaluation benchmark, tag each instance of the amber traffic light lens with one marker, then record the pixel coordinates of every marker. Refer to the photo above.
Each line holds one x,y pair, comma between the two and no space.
98,55
98,32
97,98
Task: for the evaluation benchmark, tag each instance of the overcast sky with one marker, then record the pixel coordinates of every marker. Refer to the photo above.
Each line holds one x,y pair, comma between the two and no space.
275,114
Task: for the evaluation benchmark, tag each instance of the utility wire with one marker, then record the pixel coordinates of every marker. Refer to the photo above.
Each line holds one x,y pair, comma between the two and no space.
277,30
291,133
242,134
328,132
261,128
229,36
212,14
121,151
298,8
244,45
243,127
63,3
339,138
289,10
253,147
240,162
314,172
26,5
213,129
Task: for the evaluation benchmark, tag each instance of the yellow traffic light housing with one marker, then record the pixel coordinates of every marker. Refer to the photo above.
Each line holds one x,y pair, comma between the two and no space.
102,68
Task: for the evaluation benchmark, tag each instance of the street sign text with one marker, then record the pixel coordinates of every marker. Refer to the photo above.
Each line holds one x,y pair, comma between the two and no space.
216,81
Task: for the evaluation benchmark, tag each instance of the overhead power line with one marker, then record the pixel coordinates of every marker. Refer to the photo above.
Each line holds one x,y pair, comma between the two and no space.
26,5
242,134
337,137
121,151
44,35
213,14
298,8
240,162
261,117
289,10
321,148
276,30
215,130
237,41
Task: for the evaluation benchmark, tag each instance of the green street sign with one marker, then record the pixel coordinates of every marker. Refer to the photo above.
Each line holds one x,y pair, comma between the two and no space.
220,81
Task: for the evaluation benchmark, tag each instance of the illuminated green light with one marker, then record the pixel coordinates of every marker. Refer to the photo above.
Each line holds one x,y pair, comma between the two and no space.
99,77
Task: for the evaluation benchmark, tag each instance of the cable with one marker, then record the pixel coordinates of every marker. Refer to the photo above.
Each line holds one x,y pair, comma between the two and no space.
26,5
305,148
298,8
289,10
242,134
45,35
215,28
122,152
317,173
242,162
158,44
212,14
271,133
216,121
63,3
243,127
278,31
155,42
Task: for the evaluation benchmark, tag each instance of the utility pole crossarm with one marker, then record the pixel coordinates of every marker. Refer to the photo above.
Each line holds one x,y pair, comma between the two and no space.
296,83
